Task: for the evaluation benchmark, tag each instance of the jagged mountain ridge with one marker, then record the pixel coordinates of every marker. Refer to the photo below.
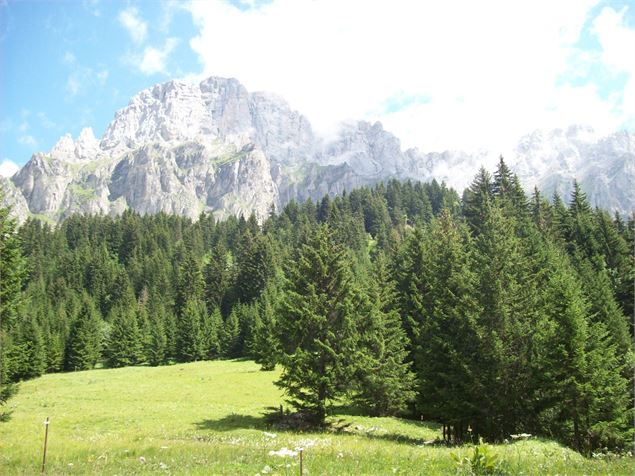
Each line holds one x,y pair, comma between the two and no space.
186,148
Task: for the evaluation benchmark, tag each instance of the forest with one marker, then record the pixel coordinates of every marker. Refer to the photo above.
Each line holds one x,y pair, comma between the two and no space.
493,313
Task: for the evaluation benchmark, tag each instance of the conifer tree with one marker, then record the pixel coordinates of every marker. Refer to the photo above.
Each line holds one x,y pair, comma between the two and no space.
477,198
385,381
26,355
317,326
230,336
189,336
266,347
83,348
507,294
12,273
157,348
212,331
448,338
125,346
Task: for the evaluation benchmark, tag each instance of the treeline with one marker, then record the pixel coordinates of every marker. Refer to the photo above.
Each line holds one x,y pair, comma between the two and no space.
493,313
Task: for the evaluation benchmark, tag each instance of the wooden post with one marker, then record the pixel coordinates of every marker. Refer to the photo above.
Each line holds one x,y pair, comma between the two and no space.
46,438
301,471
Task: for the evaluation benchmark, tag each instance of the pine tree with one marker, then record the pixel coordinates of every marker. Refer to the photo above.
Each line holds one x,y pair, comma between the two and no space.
189,337
317,326
212,331
125,346
83,348
12,273
477,198
156,351
448,337
385,381
509,298
266,347
26,355
230,336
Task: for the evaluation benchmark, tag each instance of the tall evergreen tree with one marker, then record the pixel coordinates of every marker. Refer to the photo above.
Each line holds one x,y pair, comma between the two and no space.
385,381
317,325
266,347
12,274
125,346
189,337
83,348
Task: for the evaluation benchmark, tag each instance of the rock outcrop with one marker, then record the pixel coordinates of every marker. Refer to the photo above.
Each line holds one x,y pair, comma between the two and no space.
213,146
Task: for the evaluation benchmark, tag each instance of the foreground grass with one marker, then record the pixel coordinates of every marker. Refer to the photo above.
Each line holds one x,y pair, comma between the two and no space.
207,418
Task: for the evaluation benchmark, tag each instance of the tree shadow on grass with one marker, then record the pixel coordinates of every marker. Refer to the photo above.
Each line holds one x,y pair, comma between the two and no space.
273,420
233,422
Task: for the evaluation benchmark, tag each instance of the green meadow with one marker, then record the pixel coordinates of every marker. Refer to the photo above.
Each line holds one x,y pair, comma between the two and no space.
209,418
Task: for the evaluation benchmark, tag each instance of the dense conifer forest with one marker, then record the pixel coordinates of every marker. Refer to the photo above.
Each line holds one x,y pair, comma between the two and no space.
493,313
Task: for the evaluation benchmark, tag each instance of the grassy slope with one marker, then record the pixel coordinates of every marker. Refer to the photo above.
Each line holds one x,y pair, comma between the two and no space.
206,418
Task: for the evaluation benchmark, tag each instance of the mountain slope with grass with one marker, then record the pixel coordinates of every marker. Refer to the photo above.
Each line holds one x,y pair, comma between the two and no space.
209,418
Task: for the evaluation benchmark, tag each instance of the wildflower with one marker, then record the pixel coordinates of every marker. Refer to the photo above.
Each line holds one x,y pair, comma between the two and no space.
266,470
163,466
270,435
142,460
283,453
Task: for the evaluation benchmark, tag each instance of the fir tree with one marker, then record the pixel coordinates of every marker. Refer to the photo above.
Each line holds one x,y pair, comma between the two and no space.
125,346
447,345
385,380
189,337
230,336
212,331
317,326
266,348
12,274
83,347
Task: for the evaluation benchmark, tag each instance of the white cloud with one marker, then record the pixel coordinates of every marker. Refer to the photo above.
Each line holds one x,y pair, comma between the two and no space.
69,58
27,140
131,21
8,168
618,51
492,70
153,60
82,79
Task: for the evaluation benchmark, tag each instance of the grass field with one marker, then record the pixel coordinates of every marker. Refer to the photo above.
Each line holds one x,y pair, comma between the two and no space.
207,418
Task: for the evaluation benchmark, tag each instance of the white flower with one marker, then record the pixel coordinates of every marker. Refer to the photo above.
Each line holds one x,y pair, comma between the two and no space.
270,435
163,465
266,470
283,453
142,460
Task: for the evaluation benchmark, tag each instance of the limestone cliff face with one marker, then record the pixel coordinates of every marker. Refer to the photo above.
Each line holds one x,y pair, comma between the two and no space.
186,148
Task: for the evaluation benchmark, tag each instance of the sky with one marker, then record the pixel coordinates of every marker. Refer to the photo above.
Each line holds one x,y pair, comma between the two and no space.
458,75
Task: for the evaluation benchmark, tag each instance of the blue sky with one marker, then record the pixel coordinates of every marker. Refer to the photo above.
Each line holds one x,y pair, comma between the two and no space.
438,75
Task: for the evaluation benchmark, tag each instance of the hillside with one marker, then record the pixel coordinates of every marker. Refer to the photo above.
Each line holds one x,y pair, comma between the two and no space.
207,418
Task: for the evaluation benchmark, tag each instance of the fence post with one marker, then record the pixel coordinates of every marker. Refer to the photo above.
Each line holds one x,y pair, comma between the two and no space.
46,438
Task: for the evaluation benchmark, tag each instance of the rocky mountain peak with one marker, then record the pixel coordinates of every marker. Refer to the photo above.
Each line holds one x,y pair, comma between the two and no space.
213,146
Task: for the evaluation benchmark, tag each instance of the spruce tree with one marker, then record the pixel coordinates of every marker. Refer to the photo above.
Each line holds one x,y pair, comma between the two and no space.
447,346
12,273
230,335
266,347
189,336
385,381
156,351
125,346
83,347
212,330
318,326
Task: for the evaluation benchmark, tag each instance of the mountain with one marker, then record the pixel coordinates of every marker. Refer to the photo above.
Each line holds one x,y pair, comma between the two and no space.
187,148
